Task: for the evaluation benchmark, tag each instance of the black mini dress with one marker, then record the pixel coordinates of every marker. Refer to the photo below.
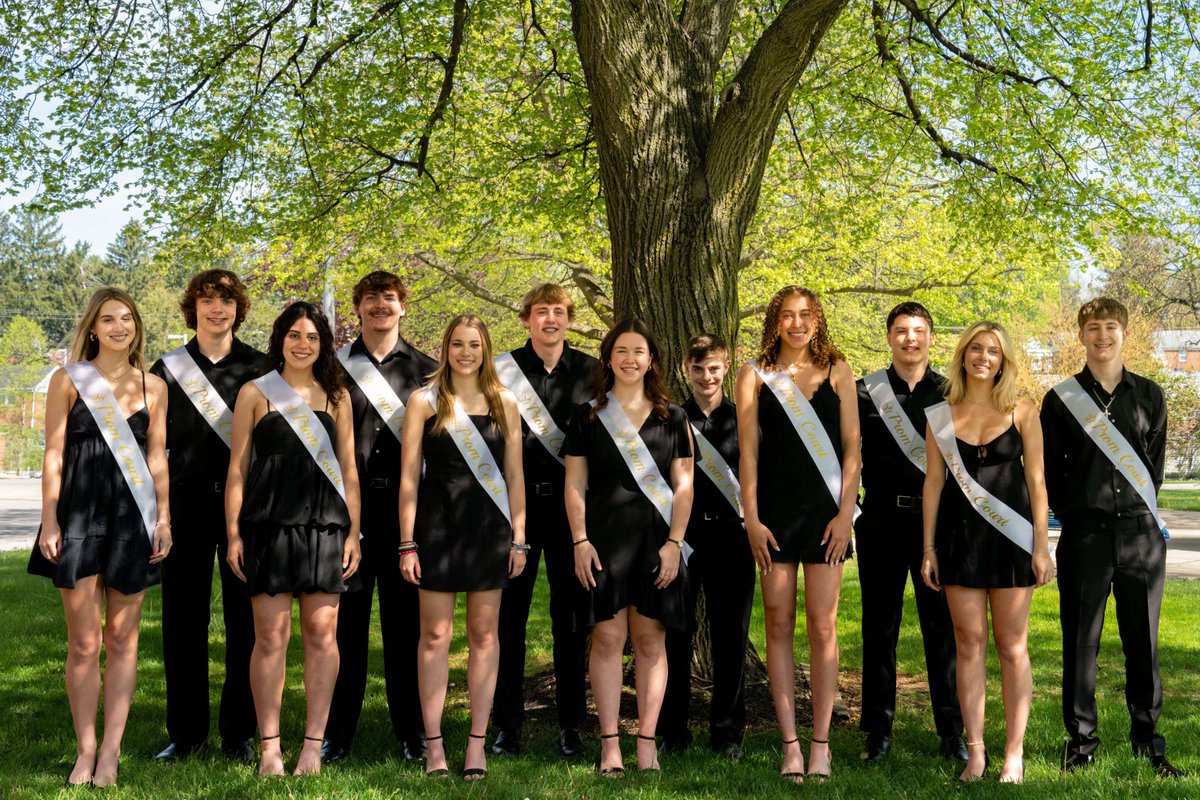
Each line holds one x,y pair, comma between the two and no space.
793,501
293,521
463,536
971,552
102,529
624,526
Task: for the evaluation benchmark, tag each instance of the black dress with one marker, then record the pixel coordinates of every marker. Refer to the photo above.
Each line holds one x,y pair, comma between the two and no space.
101,524
293,521
624,526
463,536
971,552
793,501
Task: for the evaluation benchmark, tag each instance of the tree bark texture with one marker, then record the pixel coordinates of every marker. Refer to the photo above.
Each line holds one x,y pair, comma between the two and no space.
680,172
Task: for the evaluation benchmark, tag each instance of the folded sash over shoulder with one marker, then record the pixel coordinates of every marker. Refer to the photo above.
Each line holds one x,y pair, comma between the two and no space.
375,388
304,423
994,511
117,434
533,410
717,469
637,458
907,438
200,391
1113,444
475,452
809,428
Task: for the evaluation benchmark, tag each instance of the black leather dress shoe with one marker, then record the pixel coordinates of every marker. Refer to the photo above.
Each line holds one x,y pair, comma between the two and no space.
237,751
414,749
570,743
876,747
954,748
1074,759
507,743
332,752
1164,768
674,744
175,751
731,750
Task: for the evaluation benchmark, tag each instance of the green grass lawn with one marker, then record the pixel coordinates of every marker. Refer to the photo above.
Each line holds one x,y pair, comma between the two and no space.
1180,499
38,746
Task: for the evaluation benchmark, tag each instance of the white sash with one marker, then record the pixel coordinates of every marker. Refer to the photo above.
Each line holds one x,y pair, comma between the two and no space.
475,452
117,434
809,428
911,443
1112,444
718,471
533,411
998,514
304,423
375,388
200,391
636,455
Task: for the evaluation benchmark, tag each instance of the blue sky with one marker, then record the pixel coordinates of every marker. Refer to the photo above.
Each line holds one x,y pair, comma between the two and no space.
97,225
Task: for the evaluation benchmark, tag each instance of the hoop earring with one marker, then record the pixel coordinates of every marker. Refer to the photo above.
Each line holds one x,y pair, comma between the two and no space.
91,337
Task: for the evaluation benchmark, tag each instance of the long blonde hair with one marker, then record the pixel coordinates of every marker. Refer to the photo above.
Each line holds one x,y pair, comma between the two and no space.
489,381
1004,390
85,347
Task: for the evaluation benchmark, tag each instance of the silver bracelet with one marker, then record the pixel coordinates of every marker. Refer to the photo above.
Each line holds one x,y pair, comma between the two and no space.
521,547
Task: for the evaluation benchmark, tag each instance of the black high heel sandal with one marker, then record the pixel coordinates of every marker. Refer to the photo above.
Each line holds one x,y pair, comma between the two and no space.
609,772
475,773
440,772
986,763
821,777
655,767
794,777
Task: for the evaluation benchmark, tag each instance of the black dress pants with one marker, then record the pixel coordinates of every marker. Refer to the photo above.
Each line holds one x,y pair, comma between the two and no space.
547,533
399,623
1128,558
186,611
889,553
723,565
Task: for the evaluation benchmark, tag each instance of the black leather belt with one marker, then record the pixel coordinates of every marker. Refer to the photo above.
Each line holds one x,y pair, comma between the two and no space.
543,489
377,483
711,516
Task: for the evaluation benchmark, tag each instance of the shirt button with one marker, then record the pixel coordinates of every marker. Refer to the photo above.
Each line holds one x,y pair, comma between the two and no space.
377,429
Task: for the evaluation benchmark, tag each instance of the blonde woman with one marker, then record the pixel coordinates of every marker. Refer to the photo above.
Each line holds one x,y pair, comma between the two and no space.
462,524
103,536
979,529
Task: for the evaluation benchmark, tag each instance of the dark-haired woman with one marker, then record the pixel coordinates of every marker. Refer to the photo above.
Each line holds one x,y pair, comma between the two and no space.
292,520
105,523
462,524
798,430
628,495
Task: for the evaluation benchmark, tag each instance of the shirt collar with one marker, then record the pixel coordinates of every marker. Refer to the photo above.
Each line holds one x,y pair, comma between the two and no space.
930,377
1087,380
402,350
238,348
532,359
693,408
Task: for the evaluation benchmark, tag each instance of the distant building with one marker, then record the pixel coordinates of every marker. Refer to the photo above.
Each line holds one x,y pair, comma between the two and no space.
1179,349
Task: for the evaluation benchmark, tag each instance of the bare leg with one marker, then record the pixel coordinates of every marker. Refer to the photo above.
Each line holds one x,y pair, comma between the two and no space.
483,662
1010,626
968,610
268,663
608,645
822,585
650,658
433,669
779,613
82,608
122,614
318,628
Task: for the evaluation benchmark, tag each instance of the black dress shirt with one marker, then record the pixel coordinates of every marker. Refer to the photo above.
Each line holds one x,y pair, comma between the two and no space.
720,429
197,457
560,389
1080,479
887,472
376,450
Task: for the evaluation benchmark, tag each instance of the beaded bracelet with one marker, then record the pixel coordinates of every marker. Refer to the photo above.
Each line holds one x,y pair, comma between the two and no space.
407,547
521,547
928,549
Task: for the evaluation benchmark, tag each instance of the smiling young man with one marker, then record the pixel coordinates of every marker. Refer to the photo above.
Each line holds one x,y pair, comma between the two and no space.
721,562
384,371
203,380
891,408
1105,438
549,379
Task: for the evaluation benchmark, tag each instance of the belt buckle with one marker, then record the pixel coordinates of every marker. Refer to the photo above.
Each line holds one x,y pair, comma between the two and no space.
377,483
543,489
904,501
709,516
218,487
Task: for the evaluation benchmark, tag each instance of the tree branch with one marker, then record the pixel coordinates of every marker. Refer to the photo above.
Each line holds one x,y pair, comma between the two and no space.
892,291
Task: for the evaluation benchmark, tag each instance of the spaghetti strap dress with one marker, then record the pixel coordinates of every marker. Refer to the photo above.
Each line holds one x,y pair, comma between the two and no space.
793,501
293,521
102,529
624,526
971,552
463,537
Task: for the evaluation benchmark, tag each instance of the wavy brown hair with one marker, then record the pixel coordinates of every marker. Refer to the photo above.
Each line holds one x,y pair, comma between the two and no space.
824,352
652,382
327,372
215,283
489,381
84,347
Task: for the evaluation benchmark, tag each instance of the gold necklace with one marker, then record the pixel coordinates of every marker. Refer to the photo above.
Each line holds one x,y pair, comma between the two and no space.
113,378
